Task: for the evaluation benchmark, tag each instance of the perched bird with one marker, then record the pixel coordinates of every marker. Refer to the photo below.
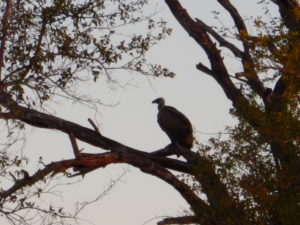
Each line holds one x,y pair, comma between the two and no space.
176,125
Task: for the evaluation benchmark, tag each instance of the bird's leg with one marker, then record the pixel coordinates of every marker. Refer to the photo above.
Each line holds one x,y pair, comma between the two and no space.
177,149
166,151
185,152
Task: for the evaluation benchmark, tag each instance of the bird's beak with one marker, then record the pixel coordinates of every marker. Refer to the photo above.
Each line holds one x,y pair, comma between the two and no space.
155,101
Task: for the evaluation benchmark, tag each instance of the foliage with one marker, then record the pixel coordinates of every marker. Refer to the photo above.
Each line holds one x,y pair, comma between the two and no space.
53,45
254,160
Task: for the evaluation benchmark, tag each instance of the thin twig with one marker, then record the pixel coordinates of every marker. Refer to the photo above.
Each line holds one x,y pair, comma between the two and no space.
94,125
74,145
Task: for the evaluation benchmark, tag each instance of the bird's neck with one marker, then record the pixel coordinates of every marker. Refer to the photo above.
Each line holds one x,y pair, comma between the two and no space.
160,106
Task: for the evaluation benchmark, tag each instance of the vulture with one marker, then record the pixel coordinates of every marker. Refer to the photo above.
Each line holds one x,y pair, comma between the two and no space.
176,125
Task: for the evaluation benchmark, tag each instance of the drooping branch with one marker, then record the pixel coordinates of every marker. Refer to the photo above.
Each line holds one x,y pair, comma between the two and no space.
5,27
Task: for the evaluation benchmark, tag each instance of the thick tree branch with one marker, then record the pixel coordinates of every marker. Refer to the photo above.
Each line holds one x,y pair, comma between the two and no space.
91,161
201,37
101,160
74,145
200,66
5,27
238,20
289,11
166,151
7,116
203,171
216,191
43,120
252,114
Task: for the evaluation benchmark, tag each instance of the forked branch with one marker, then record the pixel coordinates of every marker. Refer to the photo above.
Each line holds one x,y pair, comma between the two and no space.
101,160
247,60
222,41
218,69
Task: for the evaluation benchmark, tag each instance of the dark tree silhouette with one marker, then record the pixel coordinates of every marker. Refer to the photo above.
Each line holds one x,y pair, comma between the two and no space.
251,178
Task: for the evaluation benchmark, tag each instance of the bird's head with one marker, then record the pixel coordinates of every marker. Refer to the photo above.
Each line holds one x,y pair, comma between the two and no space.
159,101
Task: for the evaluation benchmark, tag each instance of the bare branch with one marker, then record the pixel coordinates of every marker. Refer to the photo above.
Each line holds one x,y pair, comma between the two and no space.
238,20
222,41
43,120
82,170
94,125
247,60
74,145
167,151
204,69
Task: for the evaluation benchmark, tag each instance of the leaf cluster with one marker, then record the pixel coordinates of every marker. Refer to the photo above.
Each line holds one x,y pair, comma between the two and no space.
51,45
